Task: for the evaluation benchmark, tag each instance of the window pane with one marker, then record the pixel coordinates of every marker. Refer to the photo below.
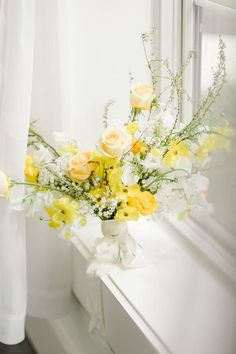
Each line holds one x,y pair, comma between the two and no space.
223,173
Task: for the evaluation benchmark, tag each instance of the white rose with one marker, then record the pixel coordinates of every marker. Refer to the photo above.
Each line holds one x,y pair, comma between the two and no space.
114,141
4,185
141,96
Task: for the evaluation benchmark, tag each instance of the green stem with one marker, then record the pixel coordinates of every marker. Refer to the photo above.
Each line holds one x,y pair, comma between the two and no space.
36,185
41,139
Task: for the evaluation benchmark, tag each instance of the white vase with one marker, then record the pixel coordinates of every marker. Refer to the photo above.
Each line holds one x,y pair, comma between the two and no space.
114,228
116,247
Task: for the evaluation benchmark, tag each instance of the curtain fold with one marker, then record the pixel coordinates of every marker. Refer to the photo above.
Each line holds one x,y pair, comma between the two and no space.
49,259
16,66
34,83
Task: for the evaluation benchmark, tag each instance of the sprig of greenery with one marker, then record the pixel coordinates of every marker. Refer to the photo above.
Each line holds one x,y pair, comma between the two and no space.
39,139
105,116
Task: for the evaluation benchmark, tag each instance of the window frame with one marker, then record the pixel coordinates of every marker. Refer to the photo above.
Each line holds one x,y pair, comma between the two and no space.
182,21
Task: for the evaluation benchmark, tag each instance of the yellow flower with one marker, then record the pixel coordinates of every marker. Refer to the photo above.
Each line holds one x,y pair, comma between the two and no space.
4,185
114,141
125,192
127,214
64,210
220,140
98,194
141,96
31,169
68,235
132,127
69,148
144,202
156,152
138,146
104,163
175,150
81,166
114,179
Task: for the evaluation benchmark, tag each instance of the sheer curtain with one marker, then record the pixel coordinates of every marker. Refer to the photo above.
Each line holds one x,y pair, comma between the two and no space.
35,84
16,64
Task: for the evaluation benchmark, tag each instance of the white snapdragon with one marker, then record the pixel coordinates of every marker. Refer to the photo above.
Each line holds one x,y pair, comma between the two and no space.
61,138
152,162
33,202
128,175
171,199
42,155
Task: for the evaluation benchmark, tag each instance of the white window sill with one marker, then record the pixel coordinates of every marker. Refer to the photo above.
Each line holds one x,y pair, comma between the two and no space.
181,303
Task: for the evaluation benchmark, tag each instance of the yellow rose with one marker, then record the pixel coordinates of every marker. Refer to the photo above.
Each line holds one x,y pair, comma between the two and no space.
144,202
4,185
114,141
81,166
141,96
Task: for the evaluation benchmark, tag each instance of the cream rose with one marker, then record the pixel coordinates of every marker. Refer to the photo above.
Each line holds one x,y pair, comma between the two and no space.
114,141
81,166
141,96
4,185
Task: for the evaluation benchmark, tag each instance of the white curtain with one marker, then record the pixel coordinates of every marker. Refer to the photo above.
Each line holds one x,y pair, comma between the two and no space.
16,64
34,84
49,283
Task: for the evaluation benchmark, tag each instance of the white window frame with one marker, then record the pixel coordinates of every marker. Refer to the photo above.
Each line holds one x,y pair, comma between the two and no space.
217,243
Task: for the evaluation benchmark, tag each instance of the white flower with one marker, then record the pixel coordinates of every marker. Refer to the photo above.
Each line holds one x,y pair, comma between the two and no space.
182,163
62,139
152,162
128,175
62,163
170,199
141,96
42,155
35,202
17,203
4,185
196,184
166,118
45,177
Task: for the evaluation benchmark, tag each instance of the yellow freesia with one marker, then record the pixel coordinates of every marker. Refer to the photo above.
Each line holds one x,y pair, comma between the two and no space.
64,210
127,214
156,152
69,148
175,150
219,140
31,169
98,193
114,180
132,127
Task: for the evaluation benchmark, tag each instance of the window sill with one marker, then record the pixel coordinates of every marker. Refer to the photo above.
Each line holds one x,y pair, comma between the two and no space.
171,306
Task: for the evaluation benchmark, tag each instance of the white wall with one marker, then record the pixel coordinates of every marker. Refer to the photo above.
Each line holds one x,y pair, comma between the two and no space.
104,46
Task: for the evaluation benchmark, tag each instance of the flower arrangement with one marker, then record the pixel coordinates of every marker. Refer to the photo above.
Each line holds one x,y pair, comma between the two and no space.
151,164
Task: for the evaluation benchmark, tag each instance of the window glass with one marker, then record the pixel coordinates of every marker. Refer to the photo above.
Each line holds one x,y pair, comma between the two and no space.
222,192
